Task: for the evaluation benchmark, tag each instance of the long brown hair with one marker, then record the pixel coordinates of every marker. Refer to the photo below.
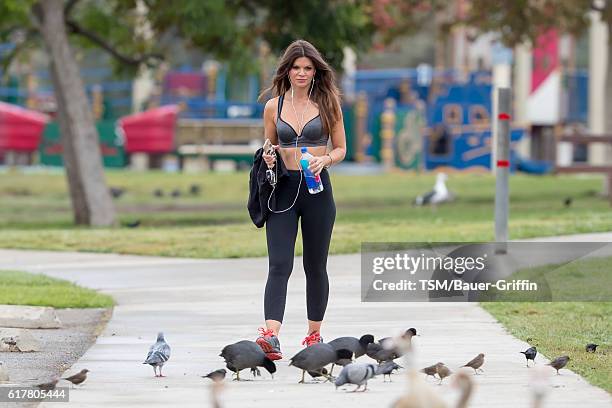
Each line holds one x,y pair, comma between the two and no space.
325,92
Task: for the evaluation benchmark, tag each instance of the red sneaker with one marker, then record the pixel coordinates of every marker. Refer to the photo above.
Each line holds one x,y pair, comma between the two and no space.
312,338
269,343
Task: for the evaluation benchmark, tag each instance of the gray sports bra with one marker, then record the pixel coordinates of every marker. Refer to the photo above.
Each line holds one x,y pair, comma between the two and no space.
312,133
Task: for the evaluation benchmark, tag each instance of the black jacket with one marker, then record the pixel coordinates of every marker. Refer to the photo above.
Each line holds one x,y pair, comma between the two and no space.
260,189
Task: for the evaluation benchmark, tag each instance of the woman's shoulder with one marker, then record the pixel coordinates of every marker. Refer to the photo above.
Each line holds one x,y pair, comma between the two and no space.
271,106
272,103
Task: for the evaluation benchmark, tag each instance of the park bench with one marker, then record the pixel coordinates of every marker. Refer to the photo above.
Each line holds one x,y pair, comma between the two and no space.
583,167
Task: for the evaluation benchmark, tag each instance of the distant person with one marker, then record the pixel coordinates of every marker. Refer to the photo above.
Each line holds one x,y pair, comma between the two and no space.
304,111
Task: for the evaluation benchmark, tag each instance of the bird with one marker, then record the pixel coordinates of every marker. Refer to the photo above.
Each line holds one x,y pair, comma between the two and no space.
158,192
530,354
407,335
357,374
466,385
316,374
420,394
4,376
476,363
195,190
48,386
432,370
133,224
217,375
159,353
386,368
438,195
443,371
567,202
314,358
559,362
78,378
116,192
357,345
389,343
246,354
345,357
591,348
539,383
176,193
215,391
380,353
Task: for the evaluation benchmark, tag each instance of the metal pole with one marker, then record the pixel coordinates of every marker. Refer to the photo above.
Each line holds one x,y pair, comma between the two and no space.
502,169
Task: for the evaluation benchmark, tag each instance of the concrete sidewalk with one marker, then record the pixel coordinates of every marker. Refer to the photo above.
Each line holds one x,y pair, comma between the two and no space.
202,305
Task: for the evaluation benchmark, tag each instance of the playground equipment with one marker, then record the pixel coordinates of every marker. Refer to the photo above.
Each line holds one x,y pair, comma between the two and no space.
20,133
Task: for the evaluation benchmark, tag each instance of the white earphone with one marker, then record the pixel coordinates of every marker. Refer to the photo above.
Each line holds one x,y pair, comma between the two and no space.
295,155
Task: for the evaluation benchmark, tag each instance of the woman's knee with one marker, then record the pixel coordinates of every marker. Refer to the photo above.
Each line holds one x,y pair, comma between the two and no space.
280,268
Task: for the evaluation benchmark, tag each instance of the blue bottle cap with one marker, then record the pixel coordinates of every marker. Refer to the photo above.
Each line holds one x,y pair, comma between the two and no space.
304,149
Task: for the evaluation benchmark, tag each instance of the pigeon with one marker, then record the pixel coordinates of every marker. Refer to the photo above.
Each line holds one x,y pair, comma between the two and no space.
443,371
591,348
217,375
530,354
246,354
386,368
356,373
476,363
158,192
431,370
78,378
116,192
195,190
559,362
438,195
315,357
159,353
49,386
4,377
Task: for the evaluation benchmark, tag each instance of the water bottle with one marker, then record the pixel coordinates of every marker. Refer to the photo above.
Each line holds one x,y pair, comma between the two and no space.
313,182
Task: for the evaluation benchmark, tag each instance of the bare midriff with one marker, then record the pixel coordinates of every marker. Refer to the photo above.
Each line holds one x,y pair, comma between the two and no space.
291,155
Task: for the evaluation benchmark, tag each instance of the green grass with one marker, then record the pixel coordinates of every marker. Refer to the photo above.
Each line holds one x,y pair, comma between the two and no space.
587,279
565,328
21,288
35,212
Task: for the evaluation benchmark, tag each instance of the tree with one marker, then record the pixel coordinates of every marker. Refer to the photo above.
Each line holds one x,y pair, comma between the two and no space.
523,20
136,33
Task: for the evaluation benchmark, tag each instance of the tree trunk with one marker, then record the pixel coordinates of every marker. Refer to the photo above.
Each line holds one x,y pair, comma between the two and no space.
91,200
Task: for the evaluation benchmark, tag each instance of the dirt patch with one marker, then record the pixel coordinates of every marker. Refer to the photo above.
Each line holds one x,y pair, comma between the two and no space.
60,348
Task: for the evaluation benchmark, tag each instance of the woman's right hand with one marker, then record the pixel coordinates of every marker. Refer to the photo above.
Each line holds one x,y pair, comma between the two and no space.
270,159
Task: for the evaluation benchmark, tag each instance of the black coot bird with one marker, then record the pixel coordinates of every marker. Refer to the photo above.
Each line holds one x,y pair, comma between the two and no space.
315,357
246,354
358,346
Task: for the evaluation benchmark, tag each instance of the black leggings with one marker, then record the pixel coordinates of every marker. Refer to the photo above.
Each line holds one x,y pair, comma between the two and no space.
317,213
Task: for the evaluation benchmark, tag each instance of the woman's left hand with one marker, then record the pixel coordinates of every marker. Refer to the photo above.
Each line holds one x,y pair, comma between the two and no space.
318,163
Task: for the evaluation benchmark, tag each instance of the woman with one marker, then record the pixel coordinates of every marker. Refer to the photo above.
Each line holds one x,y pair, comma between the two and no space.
304,112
